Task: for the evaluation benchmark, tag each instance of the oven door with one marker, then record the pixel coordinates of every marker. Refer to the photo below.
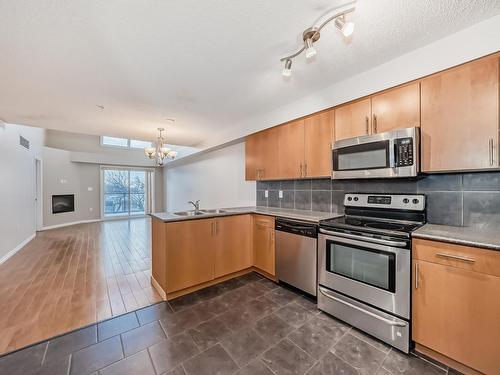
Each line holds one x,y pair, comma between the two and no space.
375,273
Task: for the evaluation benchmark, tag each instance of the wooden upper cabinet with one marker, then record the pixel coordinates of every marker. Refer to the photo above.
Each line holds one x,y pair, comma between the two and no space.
264,244
233,251
318,136
190,247
396,108
291,149
460,117
261,155
353,119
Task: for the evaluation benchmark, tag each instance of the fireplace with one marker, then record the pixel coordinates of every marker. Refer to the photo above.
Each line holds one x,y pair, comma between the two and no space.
63,203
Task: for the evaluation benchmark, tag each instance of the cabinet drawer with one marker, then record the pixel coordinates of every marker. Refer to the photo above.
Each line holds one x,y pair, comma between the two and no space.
459,256
263,220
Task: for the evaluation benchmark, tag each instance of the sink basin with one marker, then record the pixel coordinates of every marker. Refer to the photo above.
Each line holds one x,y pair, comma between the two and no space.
213,211
189,213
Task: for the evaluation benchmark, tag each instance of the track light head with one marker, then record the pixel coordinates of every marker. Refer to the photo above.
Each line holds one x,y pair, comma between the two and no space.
287,70
310,36
346,28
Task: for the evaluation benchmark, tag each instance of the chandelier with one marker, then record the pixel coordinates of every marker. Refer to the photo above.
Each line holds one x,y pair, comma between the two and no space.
159,152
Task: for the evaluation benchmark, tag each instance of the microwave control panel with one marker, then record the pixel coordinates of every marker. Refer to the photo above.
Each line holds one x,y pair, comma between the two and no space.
403,148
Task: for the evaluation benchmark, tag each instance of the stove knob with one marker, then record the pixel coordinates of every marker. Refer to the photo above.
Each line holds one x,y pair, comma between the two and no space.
406,201
349,199
356,199
415,201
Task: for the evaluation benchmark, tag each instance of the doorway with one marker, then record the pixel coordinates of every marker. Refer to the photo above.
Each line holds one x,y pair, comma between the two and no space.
125,192
38,195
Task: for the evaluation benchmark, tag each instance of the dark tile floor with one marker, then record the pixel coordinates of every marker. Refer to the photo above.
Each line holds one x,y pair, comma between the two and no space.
248,325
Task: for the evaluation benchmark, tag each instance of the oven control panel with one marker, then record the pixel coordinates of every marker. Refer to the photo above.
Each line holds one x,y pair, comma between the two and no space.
413,202
404,152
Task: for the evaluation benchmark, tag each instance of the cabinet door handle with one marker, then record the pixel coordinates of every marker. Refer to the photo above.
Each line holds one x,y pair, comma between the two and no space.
367,121
212,228
416,275
456,257
301,170
305,169
374,123
491,151
216,227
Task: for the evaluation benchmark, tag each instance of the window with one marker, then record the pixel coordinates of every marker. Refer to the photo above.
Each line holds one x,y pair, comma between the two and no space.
124,192
116,142
124,142
134,143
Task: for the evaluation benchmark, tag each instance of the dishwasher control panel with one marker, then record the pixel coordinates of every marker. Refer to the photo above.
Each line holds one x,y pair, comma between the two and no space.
297,227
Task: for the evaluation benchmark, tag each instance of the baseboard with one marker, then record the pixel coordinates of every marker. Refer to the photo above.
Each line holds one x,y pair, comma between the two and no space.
68,224
17,248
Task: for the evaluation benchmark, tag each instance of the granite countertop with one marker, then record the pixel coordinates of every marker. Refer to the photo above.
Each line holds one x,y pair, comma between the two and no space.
469,236
311,216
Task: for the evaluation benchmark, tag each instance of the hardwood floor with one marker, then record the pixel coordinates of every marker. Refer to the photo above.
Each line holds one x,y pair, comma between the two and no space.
70,277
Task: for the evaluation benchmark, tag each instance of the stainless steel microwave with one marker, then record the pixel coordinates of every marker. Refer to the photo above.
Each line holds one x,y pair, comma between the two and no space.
390,154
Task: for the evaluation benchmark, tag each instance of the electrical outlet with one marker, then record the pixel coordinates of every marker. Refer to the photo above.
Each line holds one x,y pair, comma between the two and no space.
266,193
280,194
91,209
90,188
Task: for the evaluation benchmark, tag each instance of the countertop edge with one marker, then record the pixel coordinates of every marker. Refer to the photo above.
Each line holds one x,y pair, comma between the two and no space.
233,212
457,241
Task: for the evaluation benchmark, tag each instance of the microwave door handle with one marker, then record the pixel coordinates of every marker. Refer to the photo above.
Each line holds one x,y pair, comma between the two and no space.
364,239
387,321
392,154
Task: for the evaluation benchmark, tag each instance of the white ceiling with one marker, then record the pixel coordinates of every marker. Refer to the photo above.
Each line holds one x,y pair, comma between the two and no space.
207,63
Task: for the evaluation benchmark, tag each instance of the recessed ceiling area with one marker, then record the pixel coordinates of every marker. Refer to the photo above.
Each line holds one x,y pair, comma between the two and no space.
209,64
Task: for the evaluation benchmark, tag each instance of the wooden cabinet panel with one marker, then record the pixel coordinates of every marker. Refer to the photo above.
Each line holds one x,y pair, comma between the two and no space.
233,251
353,120
264,244
460,117
291,149
447,254
261,155
159,252
456,312
396,108
318,144
191,251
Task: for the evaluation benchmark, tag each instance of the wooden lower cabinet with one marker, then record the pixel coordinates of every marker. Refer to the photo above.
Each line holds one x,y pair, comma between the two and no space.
190,252
233,250
264,244
456,310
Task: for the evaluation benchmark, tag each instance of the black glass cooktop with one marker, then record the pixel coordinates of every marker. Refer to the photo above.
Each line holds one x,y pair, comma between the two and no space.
369,224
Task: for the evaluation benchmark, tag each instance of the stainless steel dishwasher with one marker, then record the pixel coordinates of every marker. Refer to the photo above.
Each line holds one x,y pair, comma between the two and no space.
296,254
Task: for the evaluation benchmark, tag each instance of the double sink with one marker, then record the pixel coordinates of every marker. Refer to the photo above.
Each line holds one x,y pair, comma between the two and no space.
199,212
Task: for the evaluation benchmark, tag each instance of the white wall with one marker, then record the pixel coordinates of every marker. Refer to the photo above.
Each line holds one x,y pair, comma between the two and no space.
216,178
17,186
63,176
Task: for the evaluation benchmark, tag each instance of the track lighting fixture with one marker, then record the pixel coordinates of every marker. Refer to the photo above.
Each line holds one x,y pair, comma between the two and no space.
312,35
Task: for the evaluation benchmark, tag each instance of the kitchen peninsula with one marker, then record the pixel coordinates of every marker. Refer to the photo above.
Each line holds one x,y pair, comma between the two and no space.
195,249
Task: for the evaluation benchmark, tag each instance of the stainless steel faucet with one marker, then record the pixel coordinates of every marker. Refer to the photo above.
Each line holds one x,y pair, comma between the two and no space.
196,205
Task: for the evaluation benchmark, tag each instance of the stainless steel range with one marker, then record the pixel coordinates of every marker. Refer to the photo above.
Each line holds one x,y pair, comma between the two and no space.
364,264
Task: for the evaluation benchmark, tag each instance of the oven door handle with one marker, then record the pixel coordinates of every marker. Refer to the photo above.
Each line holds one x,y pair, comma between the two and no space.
387,321
365,239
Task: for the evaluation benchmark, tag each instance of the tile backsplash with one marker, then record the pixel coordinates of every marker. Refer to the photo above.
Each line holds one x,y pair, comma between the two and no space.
462,199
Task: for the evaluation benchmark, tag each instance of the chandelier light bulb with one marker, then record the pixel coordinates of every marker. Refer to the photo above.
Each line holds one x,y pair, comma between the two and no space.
287,70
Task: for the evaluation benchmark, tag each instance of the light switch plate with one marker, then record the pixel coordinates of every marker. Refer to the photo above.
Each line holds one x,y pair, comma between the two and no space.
266,193
280,194
90,188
